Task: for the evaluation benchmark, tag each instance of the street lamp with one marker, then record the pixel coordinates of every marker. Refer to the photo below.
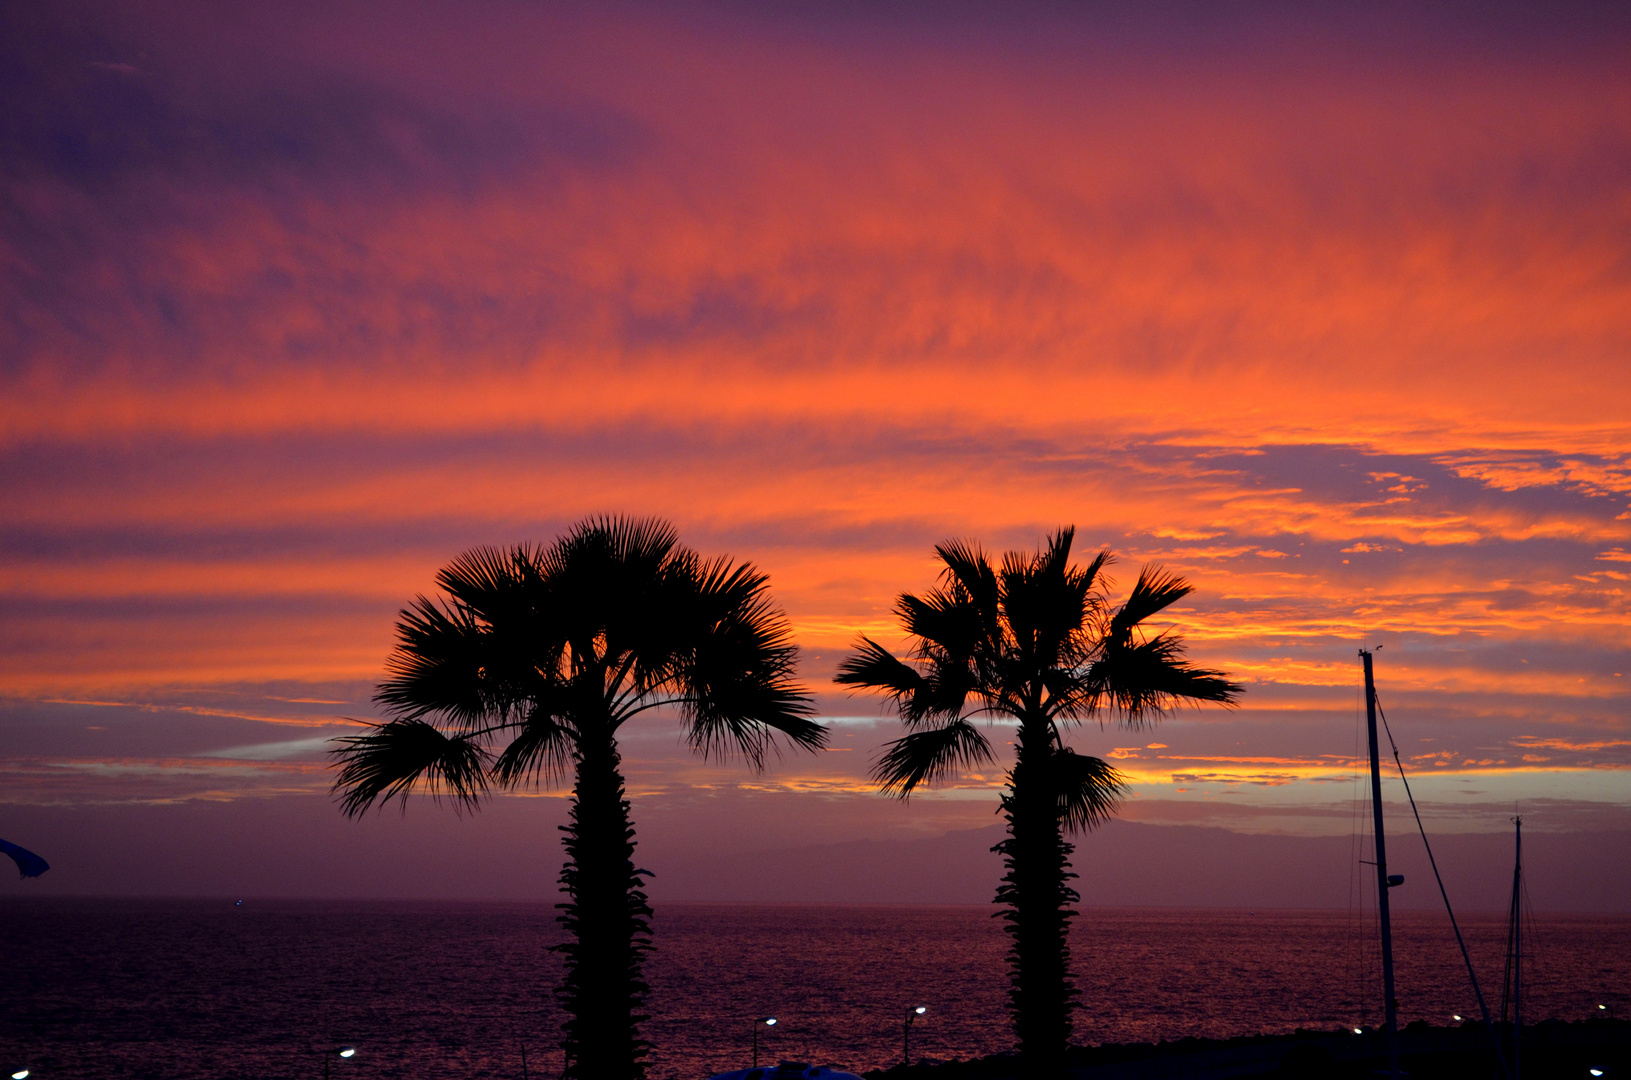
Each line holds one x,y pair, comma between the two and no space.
20,1074
906,1032
340,1052
769,1021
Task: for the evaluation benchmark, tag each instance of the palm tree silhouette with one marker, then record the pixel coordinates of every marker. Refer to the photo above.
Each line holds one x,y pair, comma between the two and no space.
1035,640
549,651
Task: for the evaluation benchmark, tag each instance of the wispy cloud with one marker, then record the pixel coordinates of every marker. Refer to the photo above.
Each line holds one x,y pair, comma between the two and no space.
274,751
290,322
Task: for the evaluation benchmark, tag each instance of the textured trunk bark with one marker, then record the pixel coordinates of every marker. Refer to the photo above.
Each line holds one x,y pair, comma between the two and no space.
606,914
1038,899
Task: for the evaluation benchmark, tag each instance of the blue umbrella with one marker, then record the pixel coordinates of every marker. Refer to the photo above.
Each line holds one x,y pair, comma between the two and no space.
30,864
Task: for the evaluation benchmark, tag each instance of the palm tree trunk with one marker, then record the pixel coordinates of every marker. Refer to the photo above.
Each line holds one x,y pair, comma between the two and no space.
606,914
1038,899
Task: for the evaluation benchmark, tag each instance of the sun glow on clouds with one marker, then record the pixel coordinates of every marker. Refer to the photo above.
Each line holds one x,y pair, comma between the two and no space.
1344,342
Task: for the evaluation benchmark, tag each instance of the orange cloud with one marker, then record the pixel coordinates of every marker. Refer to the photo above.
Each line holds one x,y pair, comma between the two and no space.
1346,351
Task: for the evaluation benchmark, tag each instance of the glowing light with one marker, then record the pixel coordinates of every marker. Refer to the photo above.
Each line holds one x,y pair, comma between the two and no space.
770,1021
348,1051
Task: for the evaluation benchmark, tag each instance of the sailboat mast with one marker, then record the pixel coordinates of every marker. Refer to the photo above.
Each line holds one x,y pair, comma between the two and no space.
1391,1005
1516,960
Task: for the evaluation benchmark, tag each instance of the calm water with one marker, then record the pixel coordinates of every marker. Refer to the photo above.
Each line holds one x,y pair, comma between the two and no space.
184,989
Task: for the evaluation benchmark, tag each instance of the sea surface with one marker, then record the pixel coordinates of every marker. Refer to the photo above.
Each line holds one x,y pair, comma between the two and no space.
195,989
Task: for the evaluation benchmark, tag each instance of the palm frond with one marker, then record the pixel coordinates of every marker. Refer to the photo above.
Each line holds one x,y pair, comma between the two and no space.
485,580
629,540
1089,790
603,582
721,734
1070,691
1093,572
936,690
440,665
609,566
1053,562
658,610
736,679
1156,589
542,748
1139,681
970,570
923,757
1046,603
391,759
548,644
946,622
876,668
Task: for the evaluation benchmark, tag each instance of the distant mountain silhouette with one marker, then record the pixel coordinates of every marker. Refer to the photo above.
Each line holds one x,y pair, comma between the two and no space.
196,849
1169,865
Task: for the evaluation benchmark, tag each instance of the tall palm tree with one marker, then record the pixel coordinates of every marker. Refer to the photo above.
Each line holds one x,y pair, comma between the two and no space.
1036,641
524,673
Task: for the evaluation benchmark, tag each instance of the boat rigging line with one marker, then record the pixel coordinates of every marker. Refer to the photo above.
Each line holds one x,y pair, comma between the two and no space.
1483,1007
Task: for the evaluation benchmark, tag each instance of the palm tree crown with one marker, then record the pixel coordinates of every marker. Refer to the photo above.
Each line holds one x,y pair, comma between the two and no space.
523,673
1035,640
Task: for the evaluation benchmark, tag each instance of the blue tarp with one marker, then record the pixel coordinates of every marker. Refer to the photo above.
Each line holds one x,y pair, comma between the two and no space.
30,864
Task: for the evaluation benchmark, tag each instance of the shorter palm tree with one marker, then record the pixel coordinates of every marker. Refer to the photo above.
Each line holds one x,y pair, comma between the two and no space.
1036,641
524,673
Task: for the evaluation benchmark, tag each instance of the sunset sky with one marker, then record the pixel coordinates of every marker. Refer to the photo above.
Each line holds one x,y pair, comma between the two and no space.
1327,310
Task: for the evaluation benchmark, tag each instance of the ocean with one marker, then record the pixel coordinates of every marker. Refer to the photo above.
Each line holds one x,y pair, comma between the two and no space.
184,989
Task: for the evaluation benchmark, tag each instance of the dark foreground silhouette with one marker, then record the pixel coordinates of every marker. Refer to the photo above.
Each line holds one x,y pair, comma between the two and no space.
1552,1049
1033,639
524,673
